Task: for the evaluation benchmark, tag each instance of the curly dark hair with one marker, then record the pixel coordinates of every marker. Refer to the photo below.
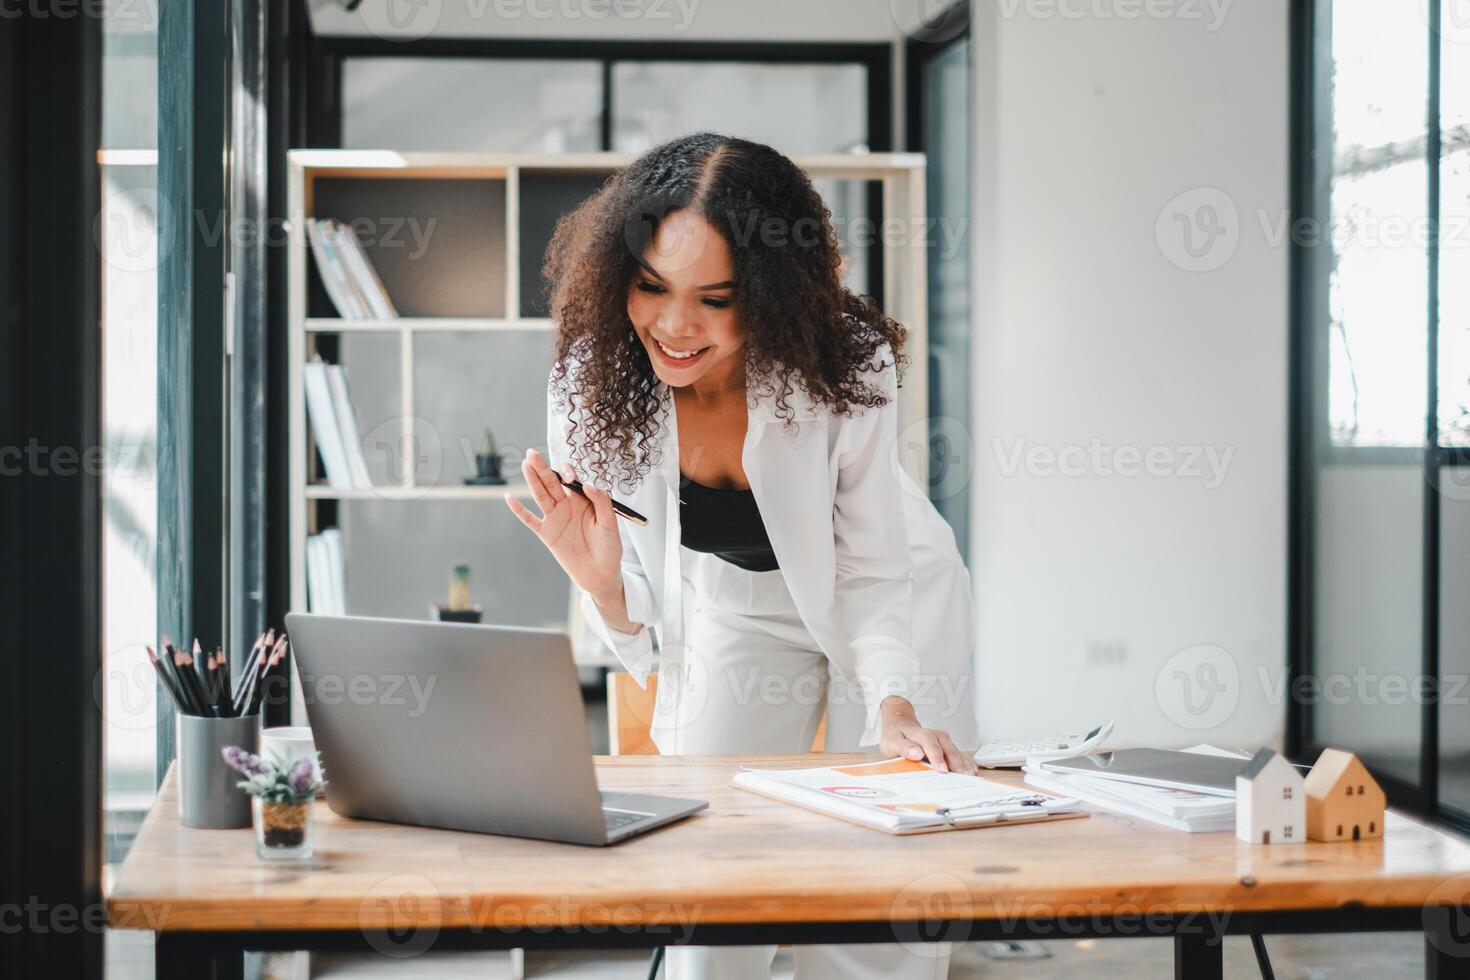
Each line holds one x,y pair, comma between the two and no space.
801,326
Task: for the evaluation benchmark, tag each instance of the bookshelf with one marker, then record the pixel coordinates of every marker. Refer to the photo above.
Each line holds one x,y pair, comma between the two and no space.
470,298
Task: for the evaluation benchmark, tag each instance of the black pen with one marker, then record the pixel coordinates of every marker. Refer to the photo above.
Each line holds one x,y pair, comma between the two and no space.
622,510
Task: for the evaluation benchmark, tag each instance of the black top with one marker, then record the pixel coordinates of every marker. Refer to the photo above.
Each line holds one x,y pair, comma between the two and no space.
726,524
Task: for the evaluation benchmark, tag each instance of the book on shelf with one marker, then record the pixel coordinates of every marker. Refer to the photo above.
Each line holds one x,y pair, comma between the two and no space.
333,422
364,278
352,284
326,580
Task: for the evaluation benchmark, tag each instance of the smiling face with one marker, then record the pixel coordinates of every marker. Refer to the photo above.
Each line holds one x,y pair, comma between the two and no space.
681,303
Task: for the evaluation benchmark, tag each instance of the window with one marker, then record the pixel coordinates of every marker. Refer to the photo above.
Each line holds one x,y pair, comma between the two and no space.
1381,389
939,77
1377,344
128,239
471,104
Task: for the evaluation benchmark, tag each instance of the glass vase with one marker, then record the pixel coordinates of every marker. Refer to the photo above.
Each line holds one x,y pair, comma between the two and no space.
282,830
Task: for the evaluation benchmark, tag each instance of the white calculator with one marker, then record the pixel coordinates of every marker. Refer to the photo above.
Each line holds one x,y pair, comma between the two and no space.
1011,752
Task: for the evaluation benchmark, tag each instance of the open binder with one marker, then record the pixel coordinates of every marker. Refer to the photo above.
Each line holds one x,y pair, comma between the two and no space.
898,796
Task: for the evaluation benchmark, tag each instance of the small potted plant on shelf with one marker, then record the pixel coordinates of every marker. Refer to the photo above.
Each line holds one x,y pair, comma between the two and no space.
487,464
281,798
458,609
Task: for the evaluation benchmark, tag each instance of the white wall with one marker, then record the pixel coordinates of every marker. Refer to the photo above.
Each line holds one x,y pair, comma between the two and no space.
1085,329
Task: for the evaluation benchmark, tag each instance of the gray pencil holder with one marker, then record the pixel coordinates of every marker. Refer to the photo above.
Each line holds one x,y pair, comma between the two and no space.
208,796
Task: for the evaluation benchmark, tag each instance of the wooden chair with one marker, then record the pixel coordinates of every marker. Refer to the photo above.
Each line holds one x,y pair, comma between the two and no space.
630,713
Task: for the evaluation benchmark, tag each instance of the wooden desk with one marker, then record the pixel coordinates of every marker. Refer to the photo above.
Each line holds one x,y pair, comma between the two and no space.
751,870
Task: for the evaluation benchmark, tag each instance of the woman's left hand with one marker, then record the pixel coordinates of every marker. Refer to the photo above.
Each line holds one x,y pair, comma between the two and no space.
904,736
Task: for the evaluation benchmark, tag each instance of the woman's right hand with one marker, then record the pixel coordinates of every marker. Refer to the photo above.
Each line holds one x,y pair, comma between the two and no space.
580,532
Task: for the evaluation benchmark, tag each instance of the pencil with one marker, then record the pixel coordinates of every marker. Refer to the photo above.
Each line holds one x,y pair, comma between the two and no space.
250,703
226,686
192,684
247,676
278,653
216,676
164,678
171,666
201,671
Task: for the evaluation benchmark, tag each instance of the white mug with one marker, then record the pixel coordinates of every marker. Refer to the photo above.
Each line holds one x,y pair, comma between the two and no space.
286,745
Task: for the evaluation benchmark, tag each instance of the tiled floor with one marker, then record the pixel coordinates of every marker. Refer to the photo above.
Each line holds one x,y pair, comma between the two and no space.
1371,956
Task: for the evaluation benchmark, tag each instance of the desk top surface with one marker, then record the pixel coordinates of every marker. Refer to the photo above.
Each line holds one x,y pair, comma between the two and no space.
749,859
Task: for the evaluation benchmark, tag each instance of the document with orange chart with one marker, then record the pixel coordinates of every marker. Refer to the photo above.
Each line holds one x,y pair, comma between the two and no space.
903,797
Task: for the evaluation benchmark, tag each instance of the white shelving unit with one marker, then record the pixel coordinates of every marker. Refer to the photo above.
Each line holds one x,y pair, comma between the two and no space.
902,179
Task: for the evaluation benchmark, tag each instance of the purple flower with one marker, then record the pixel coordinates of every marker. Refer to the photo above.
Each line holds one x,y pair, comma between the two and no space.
303,774
243,762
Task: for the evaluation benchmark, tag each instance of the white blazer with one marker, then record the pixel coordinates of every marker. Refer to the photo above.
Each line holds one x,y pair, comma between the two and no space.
871,566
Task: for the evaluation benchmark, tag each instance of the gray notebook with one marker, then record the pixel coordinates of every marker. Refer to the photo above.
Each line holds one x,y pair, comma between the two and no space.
1158,767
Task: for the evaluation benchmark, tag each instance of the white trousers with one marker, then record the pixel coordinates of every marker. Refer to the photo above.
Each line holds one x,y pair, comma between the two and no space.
756,682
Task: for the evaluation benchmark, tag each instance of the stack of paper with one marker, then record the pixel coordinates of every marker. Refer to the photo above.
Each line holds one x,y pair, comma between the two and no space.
334,426
903,797
1194,806
350,279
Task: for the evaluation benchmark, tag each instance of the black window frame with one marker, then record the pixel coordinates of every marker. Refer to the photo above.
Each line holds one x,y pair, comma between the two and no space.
936,39
1309,442
51,560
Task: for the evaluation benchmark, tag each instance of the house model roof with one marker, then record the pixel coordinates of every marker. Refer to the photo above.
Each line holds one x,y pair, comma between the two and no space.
1258,762
1330,767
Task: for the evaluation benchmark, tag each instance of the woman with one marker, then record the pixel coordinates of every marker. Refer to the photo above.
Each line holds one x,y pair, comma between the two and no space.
713,372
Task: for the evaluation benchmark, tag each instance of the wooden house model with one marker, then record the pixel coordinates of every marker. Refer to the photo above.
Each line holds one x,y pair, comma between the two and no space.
1344,802
1270,801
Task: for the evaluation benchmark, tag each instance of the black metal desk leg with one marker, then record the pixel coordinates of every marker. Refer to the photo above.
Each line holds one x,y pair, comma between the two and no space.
192,956
1446,942
1199,956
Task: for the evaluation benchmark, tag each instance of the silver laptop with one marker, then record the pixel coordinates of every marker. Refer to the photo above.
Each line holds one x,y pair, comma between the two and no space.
476,728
